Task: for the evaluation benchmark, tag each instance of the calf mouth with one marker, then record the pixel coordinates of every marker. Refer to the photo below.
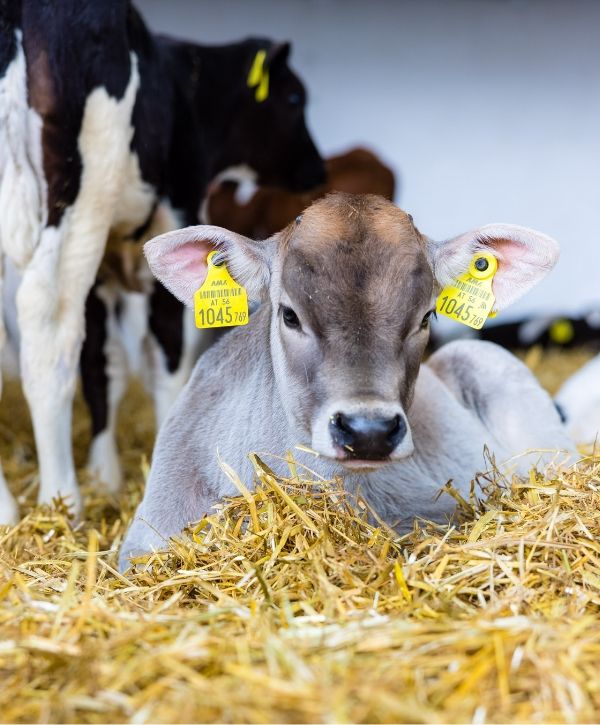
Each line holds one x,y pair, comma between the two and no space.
353,462
363,464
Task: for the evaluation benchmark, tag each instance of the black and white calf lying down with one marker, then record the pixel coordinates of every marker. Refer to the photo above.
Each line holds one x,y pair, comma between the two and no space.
108,136
332,361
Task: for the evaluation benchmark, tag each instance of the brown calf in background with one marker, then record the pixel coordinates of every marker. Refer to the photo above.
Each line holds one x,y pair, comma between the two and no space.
269,209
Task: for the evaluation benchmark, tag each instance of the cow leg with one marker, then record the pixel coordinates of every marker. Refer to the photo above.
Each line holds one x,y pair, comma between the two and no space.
57,280
508,399
51,334
104,379
174,347
9,511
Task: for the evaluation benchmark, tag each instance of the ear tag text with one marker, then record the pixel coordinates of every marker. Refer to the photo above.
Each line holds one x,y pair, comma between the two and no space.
469,298
259,77
220,301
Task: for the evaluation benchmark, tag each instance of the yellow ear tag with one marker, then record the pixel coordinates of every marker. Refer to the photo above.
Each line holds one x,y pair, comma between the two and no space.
220,301
262,92
469,298
561,332
259,77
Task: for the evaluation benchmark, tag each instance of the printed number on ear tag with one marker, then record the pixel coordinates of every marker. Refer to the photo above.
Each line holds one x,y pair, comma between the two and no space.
469,298
220,301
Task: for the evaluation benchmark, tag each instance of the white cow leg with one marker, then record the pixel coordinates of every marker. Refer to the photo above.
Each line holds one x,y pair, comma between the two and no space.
519,414
174,345
9,511
167,382
51,334
104,374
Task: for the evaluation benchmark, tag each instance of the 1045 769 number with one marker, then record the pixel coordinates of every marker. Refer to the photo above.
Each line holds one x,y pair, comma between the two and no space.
462,311
221,317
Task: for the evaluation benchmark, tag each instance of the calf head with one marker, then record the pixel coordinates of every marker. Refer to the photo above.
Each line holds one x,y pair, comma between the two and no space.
252,106
351,285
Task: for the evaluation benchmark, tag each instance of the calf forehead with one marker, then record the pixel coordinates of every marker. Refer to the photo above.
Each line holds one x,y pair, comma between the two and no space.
357,256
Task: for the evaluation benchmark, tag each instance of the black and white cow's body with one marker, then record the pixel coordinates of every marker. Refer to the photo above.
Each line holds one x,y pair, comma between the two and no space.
107,136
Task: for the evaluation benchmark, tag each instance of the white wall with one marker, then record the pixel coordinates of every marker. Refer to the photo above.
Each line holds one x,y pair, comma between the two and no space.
488,109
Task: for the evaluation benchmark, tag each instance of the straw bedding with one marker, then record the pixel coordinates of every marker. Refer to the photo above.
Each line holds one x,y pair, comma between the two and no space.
286,604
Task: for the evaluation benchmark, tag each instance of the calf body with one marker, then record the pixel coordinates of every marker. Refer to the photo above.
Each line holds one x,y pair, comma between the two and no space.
332,361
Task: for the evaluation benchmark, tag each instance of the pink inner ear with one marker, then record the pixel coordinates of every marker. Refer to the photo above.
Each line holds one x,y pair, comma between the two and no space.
182,269
191,256
507,253
522,262
524,258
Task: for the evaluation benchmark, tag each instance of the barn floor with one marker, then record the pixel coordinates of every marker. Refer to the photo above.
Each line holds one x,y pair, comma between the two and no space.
286,606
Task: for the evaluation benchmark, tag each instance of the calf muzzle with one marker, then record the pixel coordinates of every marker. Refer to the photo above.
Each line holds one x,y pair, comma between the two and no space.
367,438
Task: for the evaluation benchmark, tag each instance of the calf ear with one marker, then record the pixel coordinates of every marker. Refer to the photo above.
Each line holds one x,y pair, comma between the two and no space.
178,260
277,55
524,258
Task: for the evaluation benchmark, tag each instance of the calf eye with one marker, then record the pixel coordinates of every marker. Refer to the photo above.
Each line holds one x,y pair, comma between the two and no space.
290,318
294,99
425,320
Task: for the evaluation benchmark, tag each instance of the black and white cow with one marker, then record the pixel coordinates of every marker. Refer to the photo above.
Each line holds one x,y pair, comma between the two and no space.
108,135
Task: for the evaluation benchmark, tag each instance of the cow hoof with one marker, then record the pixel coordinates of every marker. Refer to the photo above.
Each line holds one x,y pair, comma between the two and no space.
71,498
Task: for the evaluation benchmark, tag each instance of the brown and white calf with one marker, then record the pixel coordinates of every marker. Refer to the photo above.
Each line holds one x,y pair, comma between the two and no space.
109,134
333,360
237,201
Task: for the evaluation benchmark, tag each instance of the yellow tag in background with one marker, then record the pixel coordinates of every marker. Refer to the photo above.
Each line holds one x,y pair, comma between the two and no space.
220,301
258,77
561,332
469,298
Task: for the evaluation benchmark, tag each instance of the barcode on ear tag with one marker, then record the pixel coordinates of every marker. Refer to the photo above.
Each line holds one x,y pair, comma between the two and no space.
469,298
220,301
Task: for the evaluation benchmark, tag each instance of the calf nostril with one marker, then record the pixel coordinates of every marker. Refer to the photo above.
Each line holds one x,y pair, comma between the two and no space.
343,423
394,426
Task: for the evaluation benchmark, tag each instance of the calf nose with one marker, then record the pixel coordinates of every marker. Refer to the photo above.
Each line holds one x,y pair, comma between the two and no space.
367,438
